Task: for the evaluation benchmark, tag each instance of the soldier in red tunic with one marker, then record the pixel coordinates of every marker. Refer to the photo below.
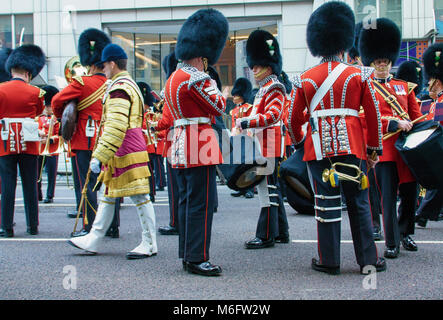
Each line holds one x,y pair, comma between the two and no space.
265,122
148,118
332,93
432,204
49,161
398,105
166,123
88,91
241,94
193,100
20,104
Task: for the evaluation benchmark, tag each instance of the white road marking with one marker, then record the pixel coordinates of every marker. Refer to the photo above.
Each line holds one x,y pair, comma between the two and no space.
293,241
350,241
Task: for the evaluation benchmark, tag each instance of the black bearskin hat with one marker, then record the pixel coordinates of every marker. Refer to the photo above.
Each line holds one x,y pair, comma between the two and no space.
145,89
28,57
203,34
4,54
51,91
262,49
411,71
433,62
214,76
90,46
169,64
330,29
243,88
381,41
354,53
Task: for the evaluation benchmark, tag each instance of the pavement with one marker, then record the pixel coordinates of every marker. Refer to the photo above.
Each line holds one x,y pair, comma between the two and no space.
45,267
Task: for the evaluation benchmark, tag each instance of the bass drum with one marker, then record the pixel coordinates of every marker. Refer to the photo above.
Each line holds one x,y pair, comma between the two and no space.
422,150
294,173
241,159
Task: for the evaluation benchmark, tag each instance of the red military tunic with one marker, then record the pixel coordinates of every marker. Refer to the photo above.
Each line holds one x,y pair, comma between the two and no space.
18,100
148,117
161,136
44,122
267,114
431,114
341,132
287,138
164,124
79,89
408,102
240,111
193,101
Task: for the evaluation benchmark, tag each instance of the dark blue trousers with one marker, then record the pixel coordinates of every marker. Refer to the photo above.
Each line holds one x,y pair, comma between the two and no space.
173,195
431,205
272,221
197,188
50,164
328,207
159,171
80,164
403,223
27,165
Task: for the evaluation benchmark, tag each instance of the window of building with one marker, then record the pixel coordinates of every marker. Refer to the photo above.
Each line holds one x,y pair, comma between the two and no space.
24,29
366,9
16,29
391,9
147,46
5,32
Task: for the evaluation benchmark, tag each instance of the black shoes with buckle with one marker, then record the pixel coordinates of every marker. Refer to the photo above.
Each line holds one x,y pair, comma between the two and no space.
48,200
204,268
258,243
334,270
80,233
377,234
168,231
32,230
392,252
409,244
113,233
6,233
379,267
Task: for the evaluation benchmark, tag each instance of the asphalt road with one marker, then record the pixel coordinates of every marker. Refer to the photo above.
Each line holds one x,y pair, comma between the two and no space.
46,267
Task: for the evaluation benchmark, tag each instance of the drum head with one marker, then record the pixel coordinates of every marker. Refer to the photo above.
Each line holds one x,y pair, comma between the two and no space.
298,187
248,178
244,177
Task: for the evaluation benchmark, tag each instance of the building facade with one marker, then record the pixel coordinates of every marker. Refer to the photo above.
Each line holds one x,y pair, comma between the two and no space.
148,29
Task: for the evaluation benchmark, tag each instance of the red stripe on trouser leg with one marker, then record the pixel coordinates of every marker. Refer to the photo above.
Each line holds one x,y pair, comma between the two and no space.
206,215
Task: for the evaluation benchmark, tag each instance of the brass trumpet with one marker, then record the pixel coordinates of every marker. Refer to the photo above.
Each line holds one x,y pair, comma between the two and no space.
333,176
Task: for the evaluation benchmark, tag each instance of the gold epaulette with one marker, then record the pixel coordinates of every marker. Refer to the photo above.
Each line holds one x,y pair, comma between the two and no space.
41,93
411,87
79,79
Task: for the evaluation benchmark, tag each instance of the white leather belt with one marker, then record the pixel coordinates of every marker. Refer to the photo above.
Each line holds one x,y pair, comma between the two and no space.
16,120
190,121
335,112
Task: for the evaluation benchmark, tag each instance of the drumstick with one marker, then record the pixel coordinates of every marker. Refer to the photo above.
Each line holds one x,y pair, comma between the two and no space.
391,134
